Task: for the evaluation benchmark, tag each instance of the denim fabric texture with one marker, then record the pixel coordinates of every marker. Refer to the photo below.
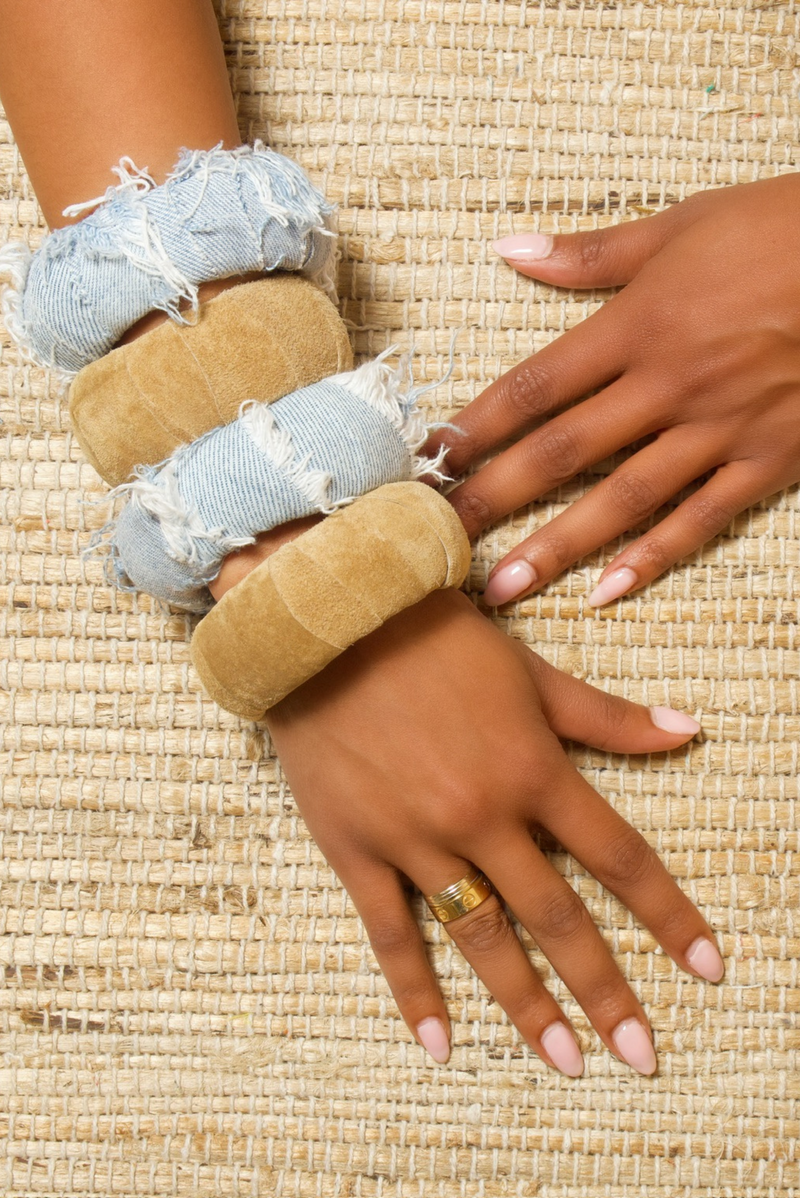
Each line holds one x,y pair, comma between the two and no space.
147,246
311,451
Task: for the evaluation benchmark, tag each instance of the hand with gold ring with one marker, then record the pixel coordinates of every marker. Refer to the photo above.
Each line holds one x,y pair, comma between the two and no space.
428,755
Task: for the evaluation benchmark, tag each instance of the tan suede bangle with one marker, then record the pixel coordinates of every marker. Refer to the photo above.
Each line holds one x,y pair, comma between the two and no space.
257,340
301,607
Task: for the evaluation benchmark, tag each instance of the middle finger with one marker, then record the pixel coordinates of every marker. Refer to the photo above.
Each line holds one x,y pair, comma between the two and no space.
553,454
487,940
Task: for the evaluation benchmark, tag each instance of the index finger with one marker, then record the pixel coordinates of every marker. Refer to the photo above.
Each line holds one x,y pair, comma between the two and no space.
622,860
585,357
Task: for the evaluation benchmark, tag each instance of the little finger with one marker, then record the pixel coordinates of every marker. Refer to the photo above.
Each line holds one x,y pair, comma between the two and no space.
394,934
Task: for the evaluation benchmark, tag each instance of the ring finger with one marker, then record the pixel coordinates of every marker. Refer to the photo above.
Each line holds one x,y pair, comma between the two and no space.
487,940
553,454
633,492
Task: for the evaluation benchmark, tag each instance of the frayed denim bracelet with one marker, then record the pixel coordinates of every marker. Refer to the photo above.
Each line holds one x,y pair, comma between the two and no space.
314,450
147,246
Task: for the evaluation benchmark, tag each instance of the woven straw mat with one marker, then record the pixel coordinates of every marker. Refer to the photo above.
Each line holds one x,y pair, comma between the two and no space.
189,1003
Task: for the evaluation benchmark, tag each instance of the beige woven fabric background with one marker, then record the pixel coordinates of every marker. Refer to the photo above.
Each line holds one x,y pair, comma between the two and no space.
189,1004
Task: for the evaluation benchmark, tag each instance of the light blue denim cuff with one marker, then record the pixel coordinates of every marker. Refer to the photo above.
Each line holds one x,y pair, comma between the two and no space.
147,246
311,451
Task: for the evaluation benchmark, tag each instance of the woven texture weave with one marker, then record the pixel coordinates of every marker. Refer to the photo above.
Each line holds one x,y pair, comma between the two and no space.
188,1003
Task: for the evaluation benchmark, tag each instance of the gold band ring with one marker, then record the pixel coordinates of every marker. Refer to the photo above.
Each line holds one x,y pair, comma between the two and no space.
463,896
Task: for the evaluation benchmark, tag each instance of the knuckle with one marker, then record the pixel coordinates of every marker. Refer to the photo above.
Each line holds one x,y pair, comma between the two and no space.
473,510
556,450
487,929
413,993
395,938
563,916
531,1009
629,860
592,249
673,921
652,551
710,515
457,814
608,994
632,493
528,391
556,550
612,716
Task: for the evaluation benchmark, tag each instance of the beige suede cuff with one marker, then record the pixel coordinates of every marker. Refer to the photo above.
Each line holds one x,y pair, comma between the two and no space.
257,340
301,607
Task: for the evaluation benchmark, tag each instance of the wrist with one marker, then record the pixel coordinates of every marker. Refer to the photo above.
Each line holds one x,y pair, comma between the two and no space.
237,565
205,291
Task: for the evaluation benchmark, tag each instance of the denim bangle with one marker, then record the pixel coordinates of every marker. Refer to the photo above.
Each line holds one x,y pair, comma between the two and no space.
146,246
314,450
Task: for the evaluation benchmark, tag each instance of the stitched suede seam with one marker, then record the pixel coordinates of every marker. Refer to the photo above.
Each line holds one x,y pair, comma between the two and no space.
298,620
436,533
173,430
194,358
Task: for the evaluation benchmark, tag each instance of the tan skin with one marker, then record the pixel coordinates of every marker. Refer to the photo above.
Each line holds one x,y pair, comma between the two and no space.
699,352
398,780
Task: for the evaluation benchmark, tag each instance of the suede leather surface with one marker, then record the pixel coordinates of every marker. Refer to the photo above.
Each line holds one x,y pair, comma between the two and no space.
259,340
301,607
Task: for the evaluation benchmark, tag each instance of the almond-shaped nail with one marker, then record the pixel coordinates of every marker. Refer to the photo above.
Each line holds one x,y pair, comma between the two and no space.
562,1049
670,720
634,1046
616,584
524,247
508,582
704,958
434,1039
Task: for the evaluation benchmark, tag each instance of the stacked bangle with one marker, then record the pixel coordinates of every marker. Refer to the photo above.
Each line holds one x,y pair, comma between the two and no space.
245,417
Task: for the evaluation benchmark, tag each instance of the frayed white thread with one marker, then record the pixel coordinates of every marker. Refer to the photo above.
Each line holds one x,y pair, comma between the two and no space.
15,260
381,387
188,540
284,181
276,444
136,179
326,276
285,193
144,249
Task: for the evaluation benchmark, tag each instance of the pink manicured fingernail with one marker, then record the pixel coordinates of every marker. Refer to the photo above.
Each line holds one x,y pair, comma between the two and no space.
559,1044
508,582
674,721
634,1046
527,247
434,1039
704,958
613,586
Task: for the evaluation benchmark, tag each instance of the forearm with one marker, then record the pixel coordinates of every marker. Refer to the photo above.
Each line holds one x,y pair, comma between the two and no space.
84,83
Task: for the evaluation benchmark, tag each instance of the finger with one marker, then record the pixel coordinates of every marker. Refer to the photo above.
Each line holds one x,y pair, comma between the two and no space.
629,495
622,860
562,927
487,940
576,711
580,360
382,903
734,487
552,455
607,257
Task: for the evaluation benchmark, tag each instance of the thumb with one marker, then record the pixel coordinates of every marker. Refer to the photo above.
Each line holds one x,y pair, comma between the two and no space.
597,258
576,711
